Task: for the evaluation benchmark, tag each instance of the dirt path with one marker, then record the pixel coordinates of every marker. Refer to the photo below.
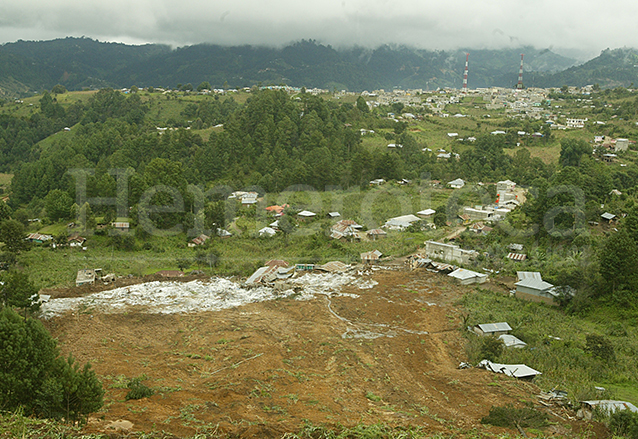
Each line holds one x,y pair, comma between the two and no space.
387,354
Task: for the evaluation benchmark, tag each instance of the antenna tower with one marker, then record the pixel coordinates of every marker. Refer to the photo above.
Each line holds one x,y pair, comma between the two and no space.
519,86
467,58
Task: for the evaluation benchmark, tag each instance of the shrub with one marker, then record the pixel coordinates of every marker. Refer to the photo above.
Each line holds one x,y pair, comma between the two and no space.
491,348
510,416
33,375
624,423
600,347
138,390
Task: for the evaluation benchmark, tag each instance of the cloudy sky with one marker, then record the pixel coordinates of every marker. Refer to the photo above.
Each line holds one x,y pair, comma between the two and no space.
586,25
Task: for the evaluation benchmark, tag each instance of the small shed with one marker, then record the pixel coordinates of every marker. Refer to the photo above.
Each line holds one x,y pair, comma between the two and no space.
496,329
375,234
609,217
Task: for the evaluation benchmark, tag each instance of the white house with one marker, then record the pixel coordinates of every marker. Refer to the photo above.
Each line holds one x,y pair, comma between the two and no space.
467,277
456,184
401,222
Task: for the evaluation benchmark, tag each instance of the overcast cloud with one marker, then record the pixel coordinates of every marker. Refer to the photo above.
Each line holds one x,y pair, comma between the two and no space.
567,24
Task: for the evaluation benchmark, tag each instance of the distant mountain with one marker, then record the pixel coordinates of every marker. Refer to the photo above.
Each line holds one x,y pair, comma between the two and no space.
82,62
612,68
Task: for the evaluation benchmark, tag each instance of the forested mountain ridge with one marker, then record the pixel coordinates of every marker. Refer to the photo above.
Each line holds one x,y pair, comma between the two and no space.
80,63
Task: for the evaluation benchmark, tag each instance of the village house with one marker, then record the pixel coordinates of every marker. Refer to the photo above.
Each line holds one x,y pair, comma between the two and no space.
505,192
199,240
375,234
121,226
345,230
401,222
532,287
371,257
456,184
575,123
39,238
477,213
426,213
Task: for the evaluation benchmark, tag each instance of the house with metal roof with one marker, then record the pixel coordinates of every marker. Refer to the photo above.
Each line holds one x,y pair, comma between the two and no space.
401,222
426,213
607,406
371,257
492,328
537,290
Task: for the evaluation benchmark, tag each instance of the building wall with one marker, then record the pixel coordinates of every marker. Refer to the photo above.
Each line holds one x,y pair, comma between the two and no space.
535,297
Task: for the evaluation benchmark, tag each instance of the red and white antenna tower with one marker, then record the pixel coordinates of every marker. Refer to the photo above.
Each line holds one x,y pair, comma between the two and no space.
519,86
467,58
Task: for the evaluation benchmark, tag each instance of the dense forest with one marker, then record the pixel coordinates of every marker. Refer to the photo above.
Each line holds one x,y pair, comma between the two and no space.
77,63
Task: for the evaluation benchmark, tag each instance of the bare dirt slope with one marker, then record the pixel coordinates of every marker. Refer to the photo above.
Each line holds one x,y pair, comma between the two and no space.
389,355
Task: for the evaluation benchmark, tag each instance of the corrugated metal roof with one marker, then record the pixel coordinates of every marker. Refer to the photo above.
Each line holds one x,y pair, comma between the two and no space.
516,256
494,327
528,275
333,266
462,274
535,284
513,370
611,406
512,342
402,221
258,275
374,254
